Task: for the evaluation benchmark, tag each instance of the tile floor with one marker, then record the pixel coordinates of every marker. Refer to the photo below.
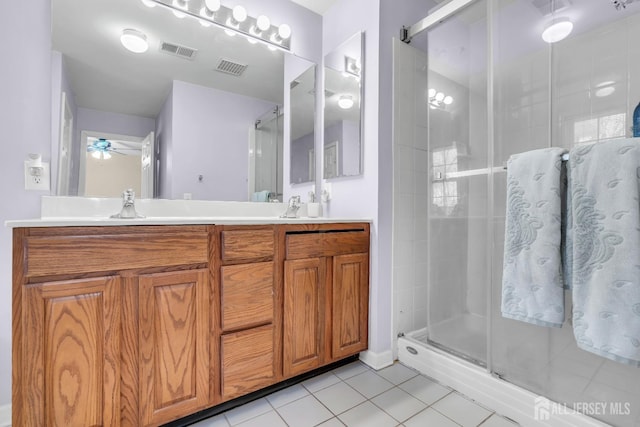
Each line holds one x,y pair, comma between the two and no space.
355,395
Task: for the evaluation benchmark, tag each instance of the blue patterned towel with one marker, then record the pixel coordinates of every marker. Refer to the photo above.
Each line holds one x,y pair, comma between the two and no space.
532,286
604,189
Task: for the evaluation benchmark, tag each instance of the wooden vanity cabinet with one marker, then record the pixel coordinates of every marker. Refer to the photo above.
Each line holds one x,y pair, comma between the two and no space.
143,325
246,333
110,325
326,295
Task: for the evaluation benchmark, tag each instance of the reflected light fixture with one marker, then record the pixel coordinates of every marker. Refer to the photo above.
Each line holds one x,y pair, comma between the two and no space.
239,15
234,21
180,4
148,3
438,99
605,89
134,41
212,5
345,102
557,30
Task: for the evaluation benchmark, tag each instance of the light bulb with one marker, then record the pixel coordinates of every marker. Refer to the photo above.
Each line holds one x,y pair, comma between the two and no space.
134,41
284,31
345,102
206,13
239,13
149,3
96,155
212,5
106,155
557,30
439,96
448,100
432,93
263,23
180,4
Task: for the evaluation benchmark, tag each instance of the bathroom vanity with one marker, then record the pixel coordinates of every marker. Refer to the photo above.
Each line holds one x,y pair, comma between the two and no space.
140,325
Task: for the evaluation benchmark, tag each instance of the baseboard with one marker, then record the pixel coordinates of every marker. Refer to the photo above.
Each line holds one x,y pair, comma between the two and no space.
503,397
377,360
5,415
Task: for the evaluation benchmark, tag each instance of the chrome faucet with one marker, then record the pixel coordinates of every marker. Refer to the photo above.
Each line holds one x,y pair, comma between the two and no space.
292,209
128,206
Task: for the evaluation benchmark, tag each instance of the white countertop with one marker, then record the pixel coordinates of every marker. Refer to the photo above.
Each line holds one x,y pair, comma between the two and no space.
91,212
109,222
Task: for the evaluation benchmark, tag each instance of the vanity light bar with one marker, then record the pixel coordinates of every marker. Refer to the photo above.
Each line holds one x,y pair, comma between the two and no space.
278,37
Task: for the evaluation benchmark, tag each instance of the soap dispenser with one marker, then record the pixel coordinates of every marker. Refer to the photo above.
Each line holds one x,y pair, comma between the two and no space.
636,121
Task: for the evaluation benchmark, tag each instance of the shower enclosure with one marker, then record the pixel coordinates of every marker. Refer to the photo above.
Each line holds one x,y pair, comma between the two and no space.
265,155
469,91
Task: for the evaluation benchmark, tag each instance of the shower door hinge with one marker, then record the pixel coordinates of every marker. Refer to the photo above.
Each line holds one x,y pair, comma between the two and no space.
404,35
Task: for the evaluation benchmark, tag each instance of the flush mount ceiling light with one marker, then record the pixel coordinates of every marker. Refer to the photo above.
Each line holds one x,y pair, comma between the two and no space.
134,41
234,21
605,89
345,102
557,30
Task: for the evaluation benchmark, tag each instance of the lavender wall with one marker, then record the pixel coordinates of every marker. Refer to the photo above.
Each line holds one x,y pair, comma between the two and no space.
300,157
358,196
211,138
25,120
164,140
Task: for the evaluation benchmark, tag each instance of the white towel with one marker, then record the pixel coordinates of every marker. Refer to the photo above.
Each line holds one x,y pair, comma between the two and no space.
604,248
532,284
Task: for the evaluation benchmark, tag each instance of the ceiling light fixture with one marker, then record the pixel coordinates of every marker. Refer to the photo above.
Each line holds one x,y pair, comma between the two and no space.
605,89
134,41
345,102
557,30
234,21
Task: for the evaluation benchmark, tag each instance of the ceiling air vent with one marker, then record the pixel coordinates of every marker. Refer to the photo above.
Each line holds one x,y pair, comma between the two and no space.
177,50
230,67
547,7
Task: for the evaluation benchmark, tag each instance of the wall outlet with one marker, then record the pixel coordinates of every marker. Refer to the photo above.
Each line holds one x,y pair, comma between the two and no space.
37,179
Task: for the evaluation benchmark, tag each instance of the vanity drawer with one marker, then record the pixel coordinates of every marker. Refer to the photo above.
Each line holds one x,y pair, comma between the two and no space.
325,244
247,245
109,250
247,295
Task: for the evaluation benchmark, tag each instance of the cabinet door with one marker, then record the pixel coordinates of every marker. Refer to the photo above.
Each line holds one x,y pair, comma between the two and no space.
303,315
174,345
350,304
72,353
247,361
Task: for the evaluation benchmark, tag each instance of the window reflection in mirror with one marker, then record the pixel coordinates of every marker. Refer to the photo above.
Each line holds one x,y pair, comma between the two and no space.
343,79
302,90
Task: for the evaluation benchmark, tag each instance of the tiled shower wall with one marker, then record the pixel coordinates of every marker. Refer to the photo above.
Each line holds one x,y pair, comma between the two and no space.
410,193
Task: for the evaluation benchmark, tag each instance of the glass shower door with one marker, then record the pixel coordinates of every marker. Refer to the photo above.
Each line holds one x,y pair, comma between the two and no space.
458,182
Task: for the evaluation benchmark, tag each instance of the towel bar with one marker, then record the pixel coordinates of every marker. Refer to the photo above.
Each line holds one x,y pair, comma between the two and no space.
565,157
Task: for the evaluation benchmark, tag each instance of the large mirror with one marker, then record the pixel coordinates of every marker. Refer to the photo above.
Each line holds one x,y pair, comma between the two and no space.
343,80
194,107
302,95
